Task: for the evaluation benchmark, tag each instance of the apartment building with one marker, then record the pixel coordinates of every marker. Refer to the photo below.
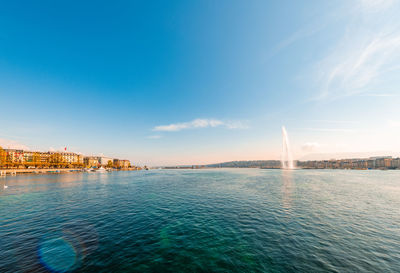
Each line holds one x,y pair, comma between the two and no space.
121,163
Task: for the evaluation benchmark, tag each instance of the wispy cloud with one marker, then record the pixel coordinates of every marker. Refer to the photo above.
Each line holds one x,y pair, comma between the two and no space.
310,146
380,95
375,5
154,137
367,57
332,121
338,130
349,71
200,123
300,34
236,125
12,144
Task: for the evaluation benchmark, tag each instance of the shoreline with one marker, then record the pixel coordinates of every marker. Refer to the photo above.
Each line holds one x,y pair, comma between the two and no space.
14,172
272,168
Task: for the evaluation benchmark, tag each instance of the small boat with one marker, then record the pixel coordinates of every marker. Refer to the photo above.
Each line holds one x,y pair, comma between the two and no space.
101,170
5,186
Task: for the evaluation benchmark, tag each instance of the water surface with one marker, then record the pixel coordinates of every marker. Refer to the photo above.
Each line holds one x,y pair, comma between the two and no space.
221,220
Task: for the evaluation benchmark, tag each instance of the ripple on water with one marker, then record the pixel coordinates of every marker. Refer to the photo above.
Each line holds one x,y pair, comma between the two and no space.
202,221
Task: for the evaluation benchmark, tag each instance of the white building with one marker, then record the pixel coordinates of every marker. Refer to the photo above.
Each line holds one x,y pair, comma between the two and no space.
103,161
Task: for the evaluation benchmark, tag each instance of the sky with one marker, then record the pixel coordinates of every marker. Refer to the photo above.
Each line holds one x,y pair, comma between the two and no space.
196,82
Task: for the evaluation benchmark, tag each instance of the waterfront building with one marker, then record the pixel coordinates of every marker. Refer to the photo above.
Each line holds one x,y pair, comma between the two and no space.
62,158
20,158
371,164
346,164
32,158
44,157
91,161
80,159
28,156
396,163
72,158
380,162
68,157
14,155
383,162
103,160
359,164
116,163
126,163
335,164
121,164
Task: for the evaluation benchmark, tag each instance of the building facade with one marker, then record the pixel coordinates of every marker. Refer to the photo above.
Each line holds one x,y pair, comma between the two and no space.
121,164
91,161
103,161
14,155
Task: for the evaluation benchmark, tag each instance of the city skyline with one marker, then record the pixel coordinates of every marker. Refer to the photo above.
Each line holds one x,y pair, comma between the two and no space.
200,83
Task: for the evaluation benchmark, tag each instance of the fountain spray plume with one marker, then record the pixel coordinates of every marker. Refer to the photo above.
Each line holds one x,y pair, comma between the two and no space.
287,158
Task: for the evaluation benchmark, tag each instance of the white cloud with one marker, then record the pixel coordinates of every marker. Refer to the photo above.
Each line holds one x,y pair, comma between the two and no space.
310,146
200,123
236,125
12,144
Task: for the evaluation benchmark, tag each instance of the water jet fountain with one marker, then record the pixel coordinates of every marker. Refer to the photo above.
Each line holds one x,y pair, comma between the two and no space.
287,158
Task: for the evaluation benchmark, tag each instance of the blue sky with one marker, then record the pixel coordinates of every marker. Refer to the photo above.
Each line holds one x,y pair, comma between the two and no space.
193,82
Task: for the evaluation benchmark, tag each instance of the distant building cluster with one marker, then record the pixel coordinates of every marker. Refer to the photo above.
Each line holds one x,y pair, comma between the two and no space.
21,158
383,162
380,162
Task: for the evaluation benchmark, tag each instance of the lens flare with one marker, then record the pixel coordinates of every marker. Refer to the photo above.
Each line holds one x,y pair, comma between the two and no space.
65,250
57,255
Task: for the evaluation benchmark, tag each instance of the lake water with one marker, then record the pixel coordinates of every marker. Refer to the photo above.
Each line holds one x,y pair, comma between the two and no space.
221,220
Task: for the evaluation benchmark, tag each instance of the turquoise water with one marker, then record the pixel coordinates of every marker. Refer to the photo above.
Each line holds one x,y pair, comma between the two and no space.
222,220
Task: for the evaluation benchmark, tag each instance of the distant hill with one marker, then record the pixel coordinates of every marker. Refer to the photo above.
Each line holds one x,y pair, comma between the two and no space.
247,164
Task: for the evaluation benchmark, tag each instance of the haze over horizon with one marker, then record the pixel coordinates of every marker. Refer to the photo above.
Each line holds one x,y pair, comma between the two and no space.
184,82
